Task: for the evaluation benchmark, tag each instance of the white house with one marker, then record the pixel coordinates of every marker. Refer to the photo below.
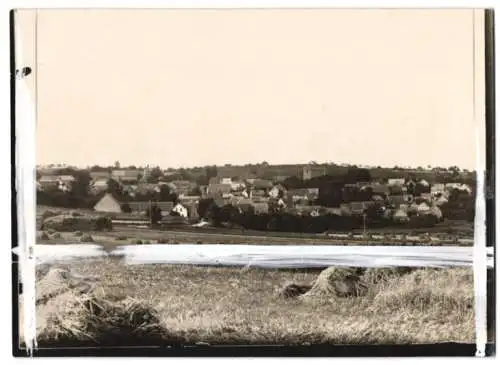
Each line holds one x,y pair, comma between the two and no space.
237,185
99,185
436,212
281,203
424,182
274,192
400,215
392,182
423,208
437,188
181,210
441,200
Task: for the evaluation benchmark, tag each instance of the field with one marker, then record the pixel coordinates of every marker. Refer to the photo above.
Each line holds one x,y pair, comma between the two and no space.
131,235
162,304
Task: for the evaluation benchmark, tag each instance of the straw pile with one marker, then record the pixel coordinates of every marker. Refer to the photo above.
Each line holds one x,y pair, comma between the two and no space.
338,281
70,311
331,282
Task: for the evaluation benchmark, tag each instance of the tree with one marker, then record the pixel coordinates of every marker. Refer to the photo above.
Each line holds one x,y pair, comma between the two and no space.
165,193
355,174
293,182
97,168
114,188
117,164
211,171
455,171
80,187
155,174
204,207
126,208
154,214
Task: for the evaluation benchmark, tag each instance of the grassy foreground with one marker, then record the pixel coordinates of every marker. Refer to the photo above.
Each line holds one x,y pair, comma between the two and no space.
164,304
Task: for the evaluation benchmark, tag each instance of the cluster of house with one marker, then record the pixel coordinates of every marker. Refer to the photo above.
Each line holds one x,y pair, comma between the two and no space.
400,198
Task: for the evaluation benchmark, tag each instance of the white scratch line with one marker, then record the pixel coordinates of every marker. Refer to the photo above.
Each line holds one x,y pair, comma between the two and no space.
25,189
479,257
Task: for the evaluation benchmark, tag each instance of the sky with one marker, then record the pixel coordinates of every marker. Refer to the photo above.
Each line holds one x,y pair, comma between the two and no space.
200,87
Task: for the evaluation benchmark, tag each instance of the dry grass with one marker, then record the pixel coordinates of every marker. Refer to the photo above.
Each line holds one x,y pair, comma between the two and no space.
151,304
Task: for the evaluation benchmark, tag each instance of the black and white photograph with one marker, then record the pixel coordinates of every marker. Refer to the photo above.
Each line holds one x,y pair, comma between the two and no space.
254,177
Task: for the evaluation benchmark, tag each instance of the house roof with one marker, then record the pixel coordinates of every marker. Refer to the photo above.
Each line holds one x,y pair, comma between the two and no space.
191,198
442,199
96,175
100,183
397,181
260,193
396,199
181,182
141,205
423,206
55,178
395,189
313,191
261,207
125,173
242,201
48,178
298,192
219,188
400,213
262,184
380,189
146,188
182,185
279,186
437,186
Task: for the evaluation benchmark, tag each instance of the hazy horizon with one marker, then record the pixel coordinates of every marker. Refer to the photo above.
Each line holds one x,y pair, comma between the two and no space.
254,163
201,87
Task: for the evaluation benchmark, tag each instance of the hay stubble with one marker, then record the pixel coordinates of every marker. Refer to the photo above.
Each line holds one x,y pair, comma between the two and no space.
189,304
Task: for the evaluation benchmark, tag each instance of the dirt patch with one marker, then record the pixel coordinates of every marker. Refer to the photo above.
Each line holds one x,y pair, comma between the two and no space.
294,290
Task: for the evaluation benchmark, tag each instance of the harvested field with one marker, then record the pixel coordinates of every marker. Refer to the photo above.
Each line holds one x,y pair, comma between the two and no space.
110,303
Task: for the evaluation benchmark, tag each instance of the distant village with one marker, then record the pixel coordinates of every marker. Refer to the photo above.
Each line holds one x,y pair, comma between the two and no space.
313,190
